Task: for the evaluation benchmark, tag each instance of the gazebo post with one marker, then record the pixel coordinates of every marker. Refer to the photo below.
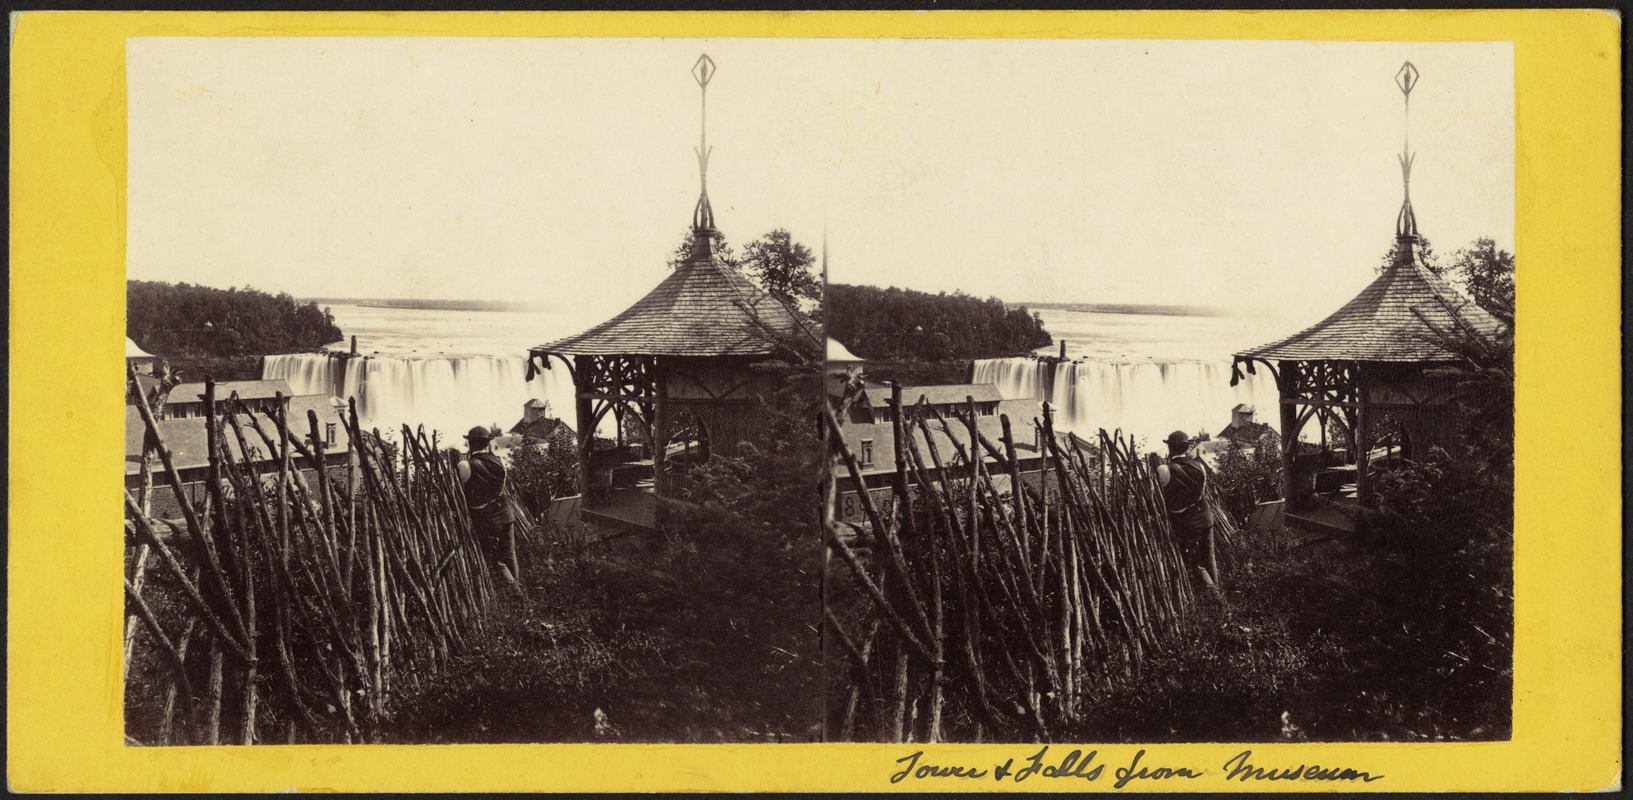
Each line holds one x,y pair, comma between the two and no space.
1287,374
660,427
586,427
1363,438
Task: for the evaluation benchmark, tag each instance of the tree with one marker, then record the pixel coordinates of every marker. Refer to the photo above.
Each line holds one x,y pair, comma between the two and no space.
782,267
1486,274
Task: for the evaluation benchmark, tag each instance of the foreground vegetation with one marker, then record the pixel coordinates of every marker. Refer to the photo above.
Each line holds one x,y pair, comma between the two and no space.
708,633
1331,641
1401,631
665,639
293,601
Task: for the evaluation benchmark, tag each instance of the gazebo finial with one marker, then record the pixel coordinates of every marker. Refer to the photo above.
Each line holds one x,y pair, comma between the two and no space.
1406,223
703,216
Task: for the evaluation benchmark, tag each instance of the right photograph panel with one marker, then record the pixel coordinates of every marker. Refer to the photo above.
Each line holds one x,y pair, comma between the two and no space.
1170,394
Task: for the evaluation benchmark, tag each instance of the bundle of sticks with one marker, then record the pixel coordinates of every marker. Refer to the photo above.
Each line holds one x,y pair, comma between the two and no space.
296,593
988,603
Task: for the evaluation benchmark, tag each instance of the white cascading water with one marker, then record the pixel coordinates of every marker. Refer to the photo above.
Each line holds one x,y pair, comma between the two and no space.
448,394
1149,399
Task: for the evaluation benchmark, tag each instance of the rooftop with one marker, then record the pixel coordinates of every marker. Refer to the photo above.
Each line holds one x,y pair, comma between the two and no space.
1400,317
883,436
703,308
247,390
839,352
189,445
939,395
541,428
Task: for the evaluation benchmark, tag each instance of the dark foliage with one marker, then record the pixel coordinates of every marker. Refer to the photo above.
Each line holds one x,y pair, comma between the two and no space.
186,320
906,324
1403,631
542,471
782,267
1249,476
748,538
1486,274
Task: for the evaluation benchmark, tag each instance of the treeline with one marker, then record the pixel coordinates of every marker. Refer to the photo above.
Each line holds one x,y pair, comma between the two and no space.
180,319
896,323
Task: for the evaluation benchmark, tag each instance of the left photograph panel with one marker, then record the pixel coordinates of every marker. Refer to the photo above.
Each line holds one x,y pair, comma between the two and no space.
452,416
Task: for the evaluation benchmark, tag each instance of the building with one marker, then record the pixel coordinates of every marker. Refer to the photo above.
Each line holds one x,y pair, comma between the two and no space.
1243,429
1385,355
874,447
188,442
868,428
187,399
872,403
843,366
688,362
136,357
536,424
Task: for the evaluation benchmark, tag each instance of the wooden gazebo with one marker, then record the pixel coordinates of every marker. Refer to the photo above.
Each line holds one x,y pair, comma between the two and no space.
690,362
1385,354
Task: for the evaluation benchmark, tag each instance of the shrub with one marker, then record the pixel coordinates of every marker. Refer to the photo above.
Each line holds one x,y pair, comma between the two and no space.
543,471
1246,477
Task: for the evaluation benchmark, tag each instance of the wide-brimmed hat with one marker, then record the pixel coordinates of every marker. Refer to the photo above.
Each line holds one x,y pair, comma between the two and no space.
1178,438
479,432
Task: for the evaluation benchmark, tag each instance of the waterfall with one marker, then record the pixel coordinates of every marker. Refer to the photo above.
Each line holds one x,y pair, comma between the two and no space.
1149,399
449,394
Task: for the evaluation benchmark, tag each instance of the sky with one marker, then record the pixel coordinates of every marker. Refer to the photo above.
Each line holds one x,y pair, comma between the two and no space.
561,171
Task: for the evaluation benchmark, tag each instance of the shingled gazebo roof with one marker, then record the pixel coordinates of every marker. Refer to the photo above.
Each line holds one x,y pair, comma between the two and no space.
704,308
1403,316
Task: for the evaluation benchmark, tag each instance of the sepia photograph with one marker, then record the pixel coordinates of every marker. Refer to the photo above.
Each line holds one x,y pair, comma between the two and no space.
453,414
1155,416
1150,411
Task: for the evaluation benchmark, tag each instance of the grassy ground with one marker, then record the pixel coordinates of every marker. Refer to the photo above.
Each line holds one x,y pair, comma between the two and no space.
643,633
1332,641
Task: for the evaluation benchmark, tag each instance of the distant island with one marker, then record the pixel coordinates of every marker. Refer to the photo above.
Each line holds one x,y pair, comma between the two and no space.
431,305
1140,308
183,320
903,324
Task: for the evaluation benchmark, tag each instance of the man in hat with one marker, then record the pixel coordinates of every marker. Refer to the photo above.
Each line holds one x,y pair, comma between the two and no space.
1184,482
483,477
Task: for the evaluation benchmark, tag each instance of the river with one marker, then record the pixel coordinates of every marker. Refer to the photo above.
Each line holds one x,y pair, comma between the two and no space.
1146,374
447,370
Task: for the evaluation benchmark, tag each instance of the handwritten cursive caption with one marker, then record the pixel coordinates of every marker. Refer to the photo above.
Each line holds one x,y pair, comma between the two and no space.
1077,765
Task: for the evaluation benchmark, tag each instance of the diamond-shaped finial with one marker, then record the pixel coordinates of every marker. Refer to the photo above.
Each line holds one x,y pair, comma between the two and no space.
1407,78
703,70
